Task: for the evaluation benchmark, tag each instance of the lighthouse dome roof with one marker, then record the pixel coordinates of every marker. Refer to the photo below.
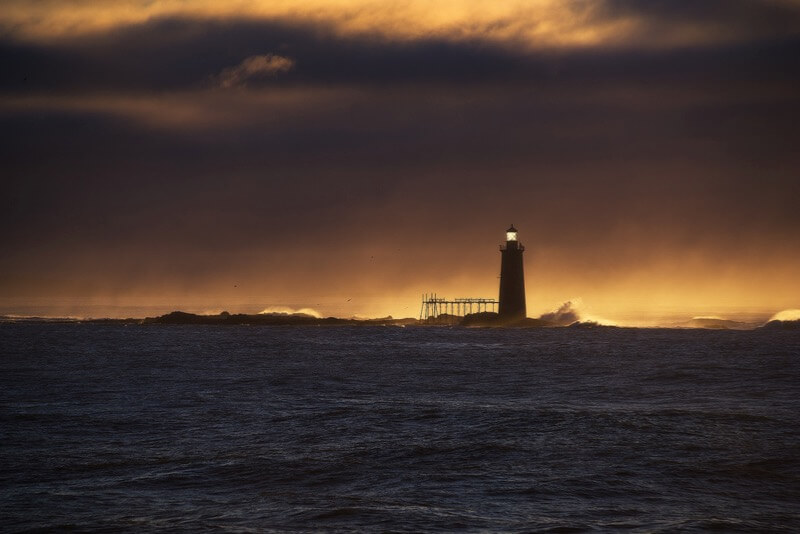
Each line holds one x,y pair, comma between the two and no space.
511,229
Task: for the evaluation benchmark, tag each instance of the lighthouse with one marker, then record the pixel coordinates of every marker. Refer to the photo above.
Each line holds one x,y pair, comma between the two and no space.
512,278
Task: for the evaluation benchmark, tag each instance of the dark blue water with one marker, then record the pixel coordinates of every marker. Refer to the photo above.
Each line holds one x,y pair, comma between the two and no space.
148,428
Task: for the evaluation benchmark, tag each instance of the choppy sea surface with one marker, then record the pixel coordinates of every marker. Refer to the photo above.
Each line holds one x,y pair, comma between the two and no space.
183,428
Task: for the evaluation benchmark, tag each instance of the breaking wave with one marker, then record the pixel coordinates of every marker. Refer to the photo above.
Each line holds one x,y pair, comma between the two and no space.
786,315
570,312
285,310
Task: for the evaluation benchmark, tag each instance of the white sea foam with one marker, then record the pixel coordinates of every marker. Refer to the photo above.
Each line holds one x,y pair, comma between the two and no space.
786,315
286,310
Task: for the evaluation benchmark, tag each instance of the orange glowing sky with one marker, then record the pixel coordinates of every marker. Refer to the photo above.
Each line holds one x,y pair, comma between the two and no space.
528,23
349,156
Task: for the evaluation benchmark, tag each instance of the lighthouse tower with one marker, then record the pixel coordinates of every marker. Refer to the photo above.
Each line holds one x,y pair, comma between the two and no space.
512,278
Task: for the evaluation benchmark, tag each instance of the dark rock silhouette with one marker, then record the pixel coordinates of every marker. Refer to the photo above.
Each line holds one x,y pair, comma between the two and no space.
275,319
548,320
782,325
481,319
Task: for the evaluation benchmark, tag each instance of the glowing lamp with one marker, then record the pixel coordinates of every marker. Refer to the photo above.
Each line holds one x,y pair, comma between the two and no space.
511,234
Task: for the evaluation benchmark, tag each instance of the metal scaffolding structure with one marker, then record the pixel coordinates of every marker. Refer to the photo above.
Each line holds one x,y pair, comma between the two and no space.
436,308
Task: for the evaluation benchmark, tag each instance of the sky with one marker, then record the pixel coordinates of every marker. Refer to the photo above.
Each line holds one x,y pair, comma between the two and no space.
348,156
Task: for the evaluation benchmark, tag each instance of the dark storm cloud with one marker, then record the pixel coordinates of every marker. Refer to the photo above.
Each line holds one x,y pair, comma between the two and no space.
748,19
95,177
181,53
174,54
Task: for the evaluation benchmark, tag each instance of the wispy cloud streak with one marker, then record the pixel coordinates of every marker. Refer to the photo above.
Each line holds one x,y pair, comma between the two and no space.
254,68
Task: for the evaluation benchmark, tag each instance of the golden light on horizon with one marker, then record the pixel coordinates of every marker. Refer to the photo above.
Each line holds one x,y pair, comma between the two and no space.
656,296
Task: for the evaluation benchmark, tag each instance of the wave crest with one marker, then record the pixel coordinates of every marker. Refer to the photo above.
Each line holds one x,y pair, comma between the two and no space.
792,314
286,310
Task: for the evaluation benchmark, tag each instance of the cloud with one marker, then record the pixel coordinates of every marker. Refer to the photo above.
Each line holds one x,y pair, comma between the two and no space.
543,23
254,68
670,23
183,54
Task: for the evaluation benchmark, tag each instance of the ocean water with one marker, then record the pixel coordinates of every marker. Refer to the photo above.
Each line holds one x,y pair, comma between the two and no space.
257,429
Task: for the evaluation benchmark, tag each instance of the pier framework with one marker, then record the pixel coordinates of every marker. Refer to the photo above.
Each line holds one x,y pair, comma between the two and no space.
437,308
